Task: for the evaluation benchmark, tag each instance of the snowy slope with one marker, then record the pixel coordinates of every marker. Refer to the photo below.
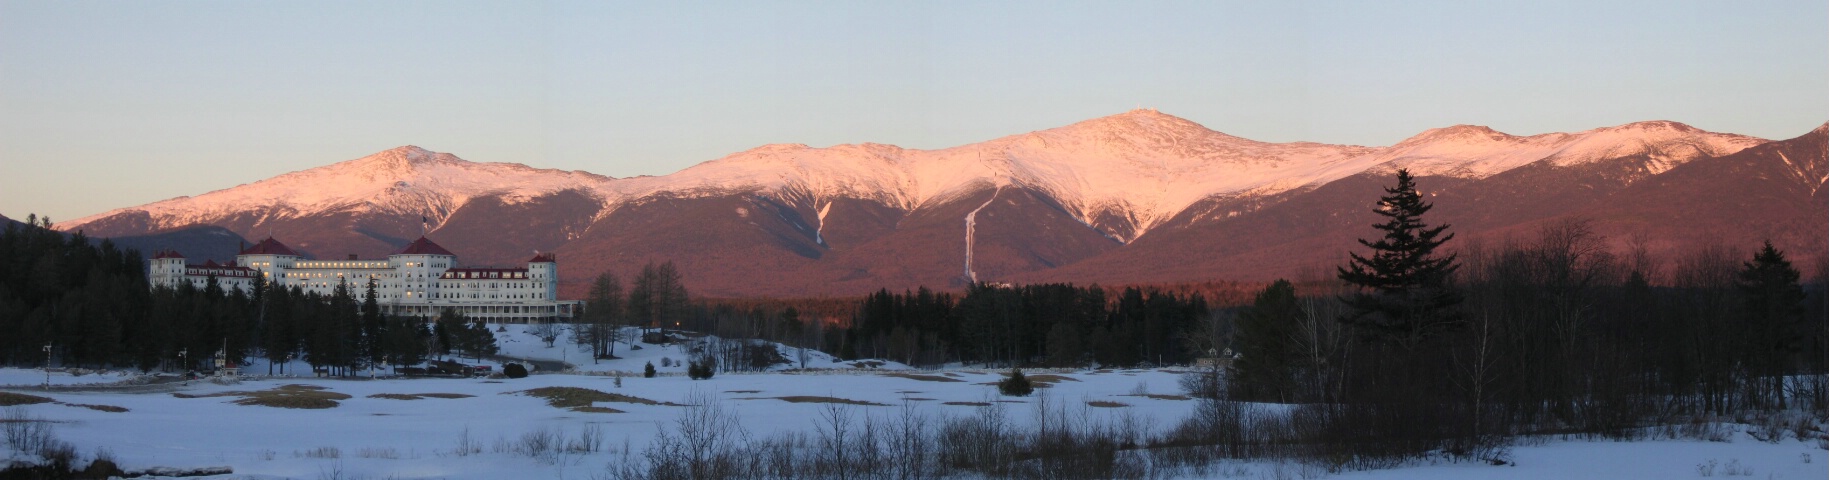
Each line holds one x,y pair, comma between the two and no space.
1141,166
406,180
1468,151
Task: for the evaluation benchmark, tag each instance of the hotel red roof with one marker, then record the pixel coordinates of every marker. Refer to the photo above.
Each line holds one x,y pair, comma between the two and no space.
269,247
422,246
163,254
544,258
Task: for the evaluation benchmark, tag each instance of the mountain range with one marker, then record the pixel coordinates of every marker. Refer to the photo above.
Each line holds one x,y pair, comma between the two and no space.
1138,197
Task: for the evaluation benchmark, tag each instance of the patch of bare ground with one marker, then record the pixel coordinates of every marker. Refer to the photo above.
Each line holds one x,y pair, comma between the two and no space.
418,396
584,399
967,404
742,391
1106,404
816,399
918,399
284,396
1050,378
8,399
99,408
921,377
1160,396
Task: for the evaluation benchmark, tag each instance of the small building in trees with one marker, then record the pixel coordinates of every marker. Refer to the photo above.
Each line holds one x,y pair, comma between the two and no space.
421,280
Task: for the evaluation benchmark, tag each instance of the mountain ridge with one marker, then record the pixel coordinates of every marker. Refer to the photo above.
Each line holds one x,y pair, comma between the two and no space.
847,214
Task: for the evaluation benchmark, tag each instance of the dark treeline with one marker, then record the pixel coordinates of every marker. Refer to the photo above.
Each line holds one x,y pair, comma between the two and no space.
1051,324
90,302
1035,325
1552,333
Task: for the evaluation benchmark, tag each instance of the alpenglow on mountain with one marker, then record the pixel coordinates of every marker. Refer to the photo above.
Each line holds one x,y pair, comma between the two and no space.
1136,197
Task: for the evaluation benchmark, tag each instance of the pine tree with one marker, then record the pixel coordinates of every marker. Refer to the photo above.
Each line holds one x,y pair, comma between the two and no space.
1773,315
1016,384
374,344
446,331
1266,344
1405,296
405,338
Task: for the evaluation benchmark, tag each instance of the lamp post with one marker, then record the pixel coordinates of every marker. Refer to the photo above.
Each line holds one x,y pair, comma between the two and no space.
184,360
47,365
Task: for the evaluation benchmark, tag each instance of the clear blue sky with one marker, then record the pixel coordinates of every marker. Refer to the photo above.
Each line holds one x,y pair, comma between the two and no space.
113,104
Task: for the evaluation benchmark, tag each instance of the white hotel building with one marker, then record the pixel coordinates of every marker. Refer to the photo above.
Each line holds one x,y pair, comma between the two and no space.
420,280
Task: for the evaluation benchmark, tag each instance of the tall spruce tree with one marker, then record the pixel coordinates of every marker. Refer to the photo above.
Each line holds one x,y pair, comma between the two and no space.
374,344
1404,296
1773,315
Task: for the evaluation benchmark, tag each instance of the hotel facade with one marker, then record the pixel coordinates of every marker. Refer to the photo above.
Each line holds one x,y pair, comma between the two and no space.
421,280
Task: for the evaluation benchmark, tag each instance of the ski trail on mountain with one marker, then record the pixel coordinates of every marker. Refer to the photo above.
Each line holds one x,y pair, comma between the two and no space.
971,224
819,233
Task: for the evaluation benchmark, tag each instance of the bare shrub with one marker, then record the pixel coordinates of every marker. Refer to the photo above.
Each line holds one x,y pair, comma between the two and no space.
910,444
541,444
320,452
25,433
706,442
386,453
467,445
978,443
1206,382
836,452
1073,444
589,440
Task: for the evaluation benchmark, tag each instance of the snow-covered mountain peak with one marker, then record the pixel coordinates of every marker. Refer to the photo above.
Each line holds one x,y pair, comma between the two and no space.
397,162
1144,128
1653,126
408,180
1478,152
1459,134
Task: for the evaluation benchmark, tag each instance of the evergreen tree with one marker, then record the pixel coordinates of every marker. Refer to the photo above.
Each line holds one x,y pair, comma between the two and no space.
1266,345
405,338
1773,316
476,340
447,330
1016,384
1404,296
374,345
279,333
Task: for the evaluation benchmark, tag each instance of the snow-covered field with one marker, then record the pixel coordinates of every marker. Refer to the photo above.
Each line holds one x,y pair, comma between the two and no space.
368,436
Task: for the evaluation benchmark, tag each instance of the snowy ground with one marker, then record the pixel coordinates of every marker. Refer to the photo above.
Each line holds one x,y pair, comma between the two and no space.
515,342
373,437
